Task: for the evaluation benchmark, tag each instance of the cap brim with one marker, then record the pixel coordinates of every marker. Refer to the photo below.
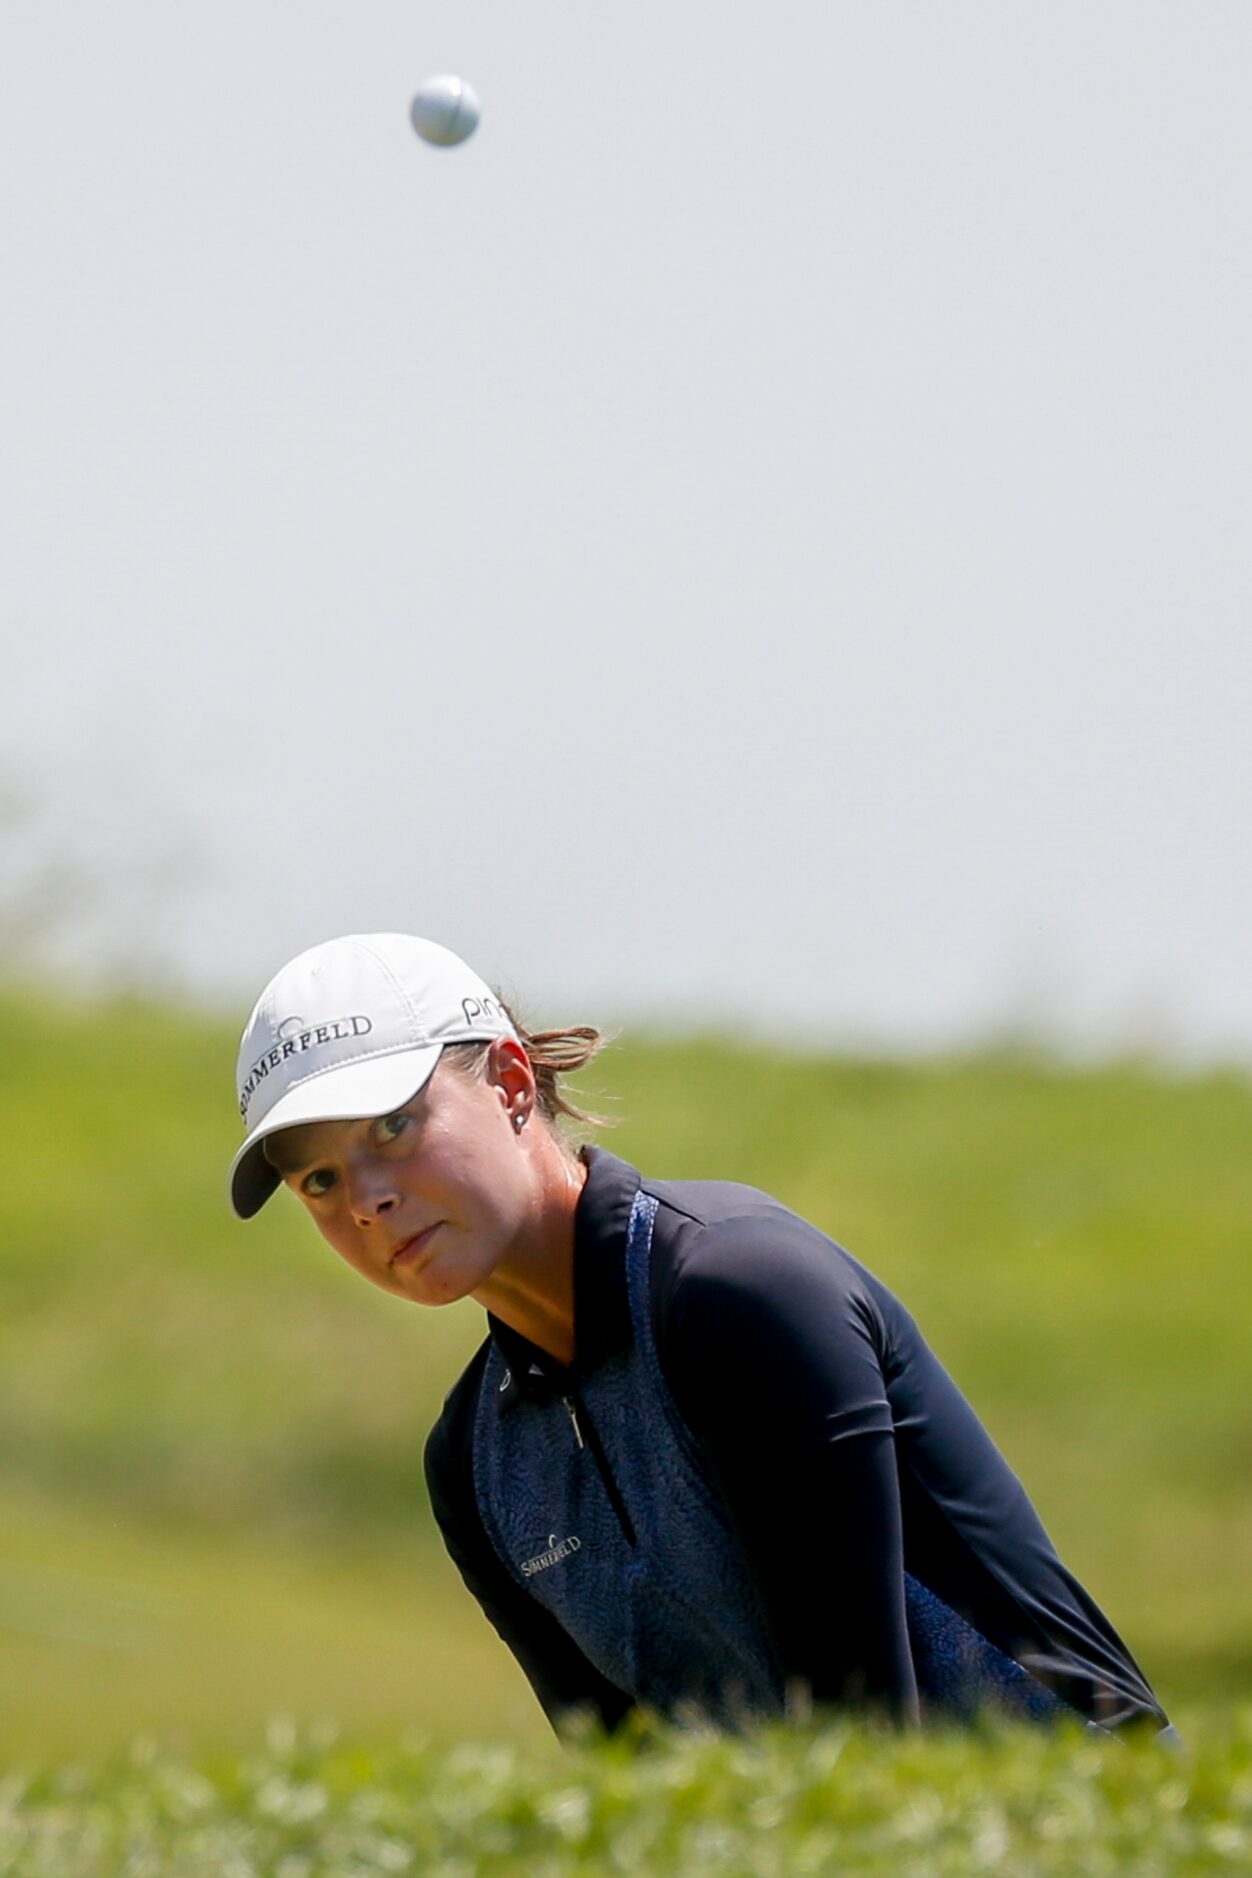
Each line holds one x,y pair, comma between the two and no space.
349,1093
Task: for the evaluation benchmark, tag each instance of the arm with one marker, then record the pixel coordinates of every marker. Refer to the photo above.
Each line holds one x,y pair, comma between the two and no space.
770,1349
566,1684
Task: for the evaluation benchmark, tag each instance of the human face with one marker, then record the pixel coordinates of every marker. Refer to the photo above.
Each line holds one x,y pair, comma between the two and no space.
428,1201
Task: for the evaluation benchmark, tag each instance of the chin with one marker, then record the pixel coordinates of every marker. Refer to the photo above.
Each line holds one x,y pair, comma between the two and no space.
438,1288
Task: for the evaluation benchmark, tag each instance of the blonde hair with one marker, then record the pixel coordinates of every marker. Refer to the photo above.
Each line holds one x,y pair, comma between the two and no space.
551,1054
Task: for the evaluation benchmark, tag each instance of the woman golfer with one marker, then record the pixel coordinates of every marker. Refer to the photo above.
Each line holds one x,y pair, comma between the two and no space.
704,1462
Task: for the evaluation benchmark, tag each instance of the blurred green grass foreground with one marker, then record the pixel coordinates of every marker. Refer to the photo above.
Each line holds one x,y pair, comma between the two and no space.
772,1805
211,1501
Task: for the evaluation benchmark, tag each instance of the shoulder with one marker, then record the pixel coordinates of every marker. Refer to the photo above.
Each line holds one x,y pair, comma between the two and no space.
770,1335
720,1240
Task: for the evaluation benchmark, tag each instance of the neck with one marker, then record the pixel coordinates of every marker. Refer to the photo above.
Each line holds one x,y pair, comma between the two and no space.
532,1291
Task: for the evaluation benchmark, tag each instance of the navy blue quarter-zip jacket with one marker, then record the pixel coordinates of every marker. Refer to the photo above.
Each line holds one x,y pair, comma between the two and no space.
755,1478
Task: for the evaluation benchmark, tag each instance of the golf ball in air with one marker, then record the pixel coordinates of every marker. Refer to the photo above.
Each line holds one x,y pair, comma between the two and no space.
445,110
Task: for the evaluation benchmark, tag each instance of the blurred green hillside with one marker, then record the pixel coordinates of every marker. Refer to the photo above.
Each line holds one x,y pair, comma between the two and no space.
223,1424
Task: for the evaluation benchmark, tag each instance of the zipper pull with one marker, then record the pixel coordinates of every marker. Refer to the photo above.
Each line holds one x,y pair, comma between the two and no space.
571,1409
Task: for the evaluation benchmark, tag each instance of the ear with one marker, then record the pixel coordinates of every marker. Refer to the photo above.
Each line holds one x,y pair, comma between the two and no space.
509,1074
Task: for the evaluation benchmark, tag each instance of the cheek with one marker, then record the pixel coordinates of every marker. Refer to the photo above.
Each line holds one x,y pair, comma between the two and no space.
468,1163
501,1193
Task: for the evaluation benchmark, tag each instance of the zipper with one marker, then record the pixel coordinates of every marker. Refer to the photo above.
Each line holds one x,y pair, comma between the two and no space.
574,1408
571,1409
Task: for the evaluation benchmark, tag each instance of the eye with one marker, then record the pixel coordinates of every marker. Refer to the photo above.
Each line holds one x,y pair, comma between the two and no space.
390,1126
317,1183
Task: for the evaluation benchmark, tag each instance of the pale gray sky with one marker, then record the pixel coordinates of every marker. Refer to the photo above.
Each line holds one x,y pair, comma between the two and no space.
762,530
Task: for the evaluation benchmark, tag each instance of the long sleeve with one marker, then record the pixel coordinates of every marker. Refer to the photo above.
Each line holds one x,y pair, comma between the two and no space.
847,1456
771,1356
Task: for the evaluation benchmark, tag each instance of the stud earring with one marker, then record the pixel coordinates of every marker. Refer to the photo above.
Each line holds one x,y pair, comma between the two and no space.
519,1122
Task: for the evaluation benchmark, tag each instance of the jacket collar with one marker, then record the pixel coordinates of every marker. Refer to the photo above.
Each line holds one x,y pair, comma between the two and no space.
601,1303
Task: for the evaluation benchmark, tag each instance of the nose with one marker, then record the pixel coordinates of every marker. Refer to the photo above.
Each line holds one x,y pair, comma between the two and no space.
372,1193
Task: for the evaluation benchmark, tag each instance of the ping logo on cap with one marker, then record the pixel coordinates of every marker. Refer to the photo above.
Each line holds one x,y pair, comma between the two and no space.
294,1039
476,1009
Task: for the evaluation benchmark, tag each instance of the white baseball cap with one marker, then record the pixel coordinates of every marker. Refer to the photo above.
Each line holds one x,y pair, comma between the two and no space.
349,1029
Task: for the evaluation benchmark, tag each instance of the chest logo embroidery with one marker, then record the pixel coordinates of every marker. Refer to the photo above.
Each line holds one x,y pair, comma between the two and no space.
557,1550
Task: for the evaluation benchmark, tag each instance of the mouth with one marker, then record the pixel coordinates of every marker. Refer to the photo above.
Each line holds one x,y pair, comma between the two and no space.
410,1250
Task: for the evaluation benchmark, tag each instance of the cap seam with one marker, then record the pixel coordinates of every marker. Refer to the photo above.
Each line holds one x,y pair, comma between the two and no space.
407,1000
383,966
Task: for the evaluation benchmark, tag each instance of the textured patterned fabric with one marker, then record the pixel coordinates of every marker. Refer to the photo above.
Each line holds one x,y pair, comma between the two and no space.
960,1674
655,1591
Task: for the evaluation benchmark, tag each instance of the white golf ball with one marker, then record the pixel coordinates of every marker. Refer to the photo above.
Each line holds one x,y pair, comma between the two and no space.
445,110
